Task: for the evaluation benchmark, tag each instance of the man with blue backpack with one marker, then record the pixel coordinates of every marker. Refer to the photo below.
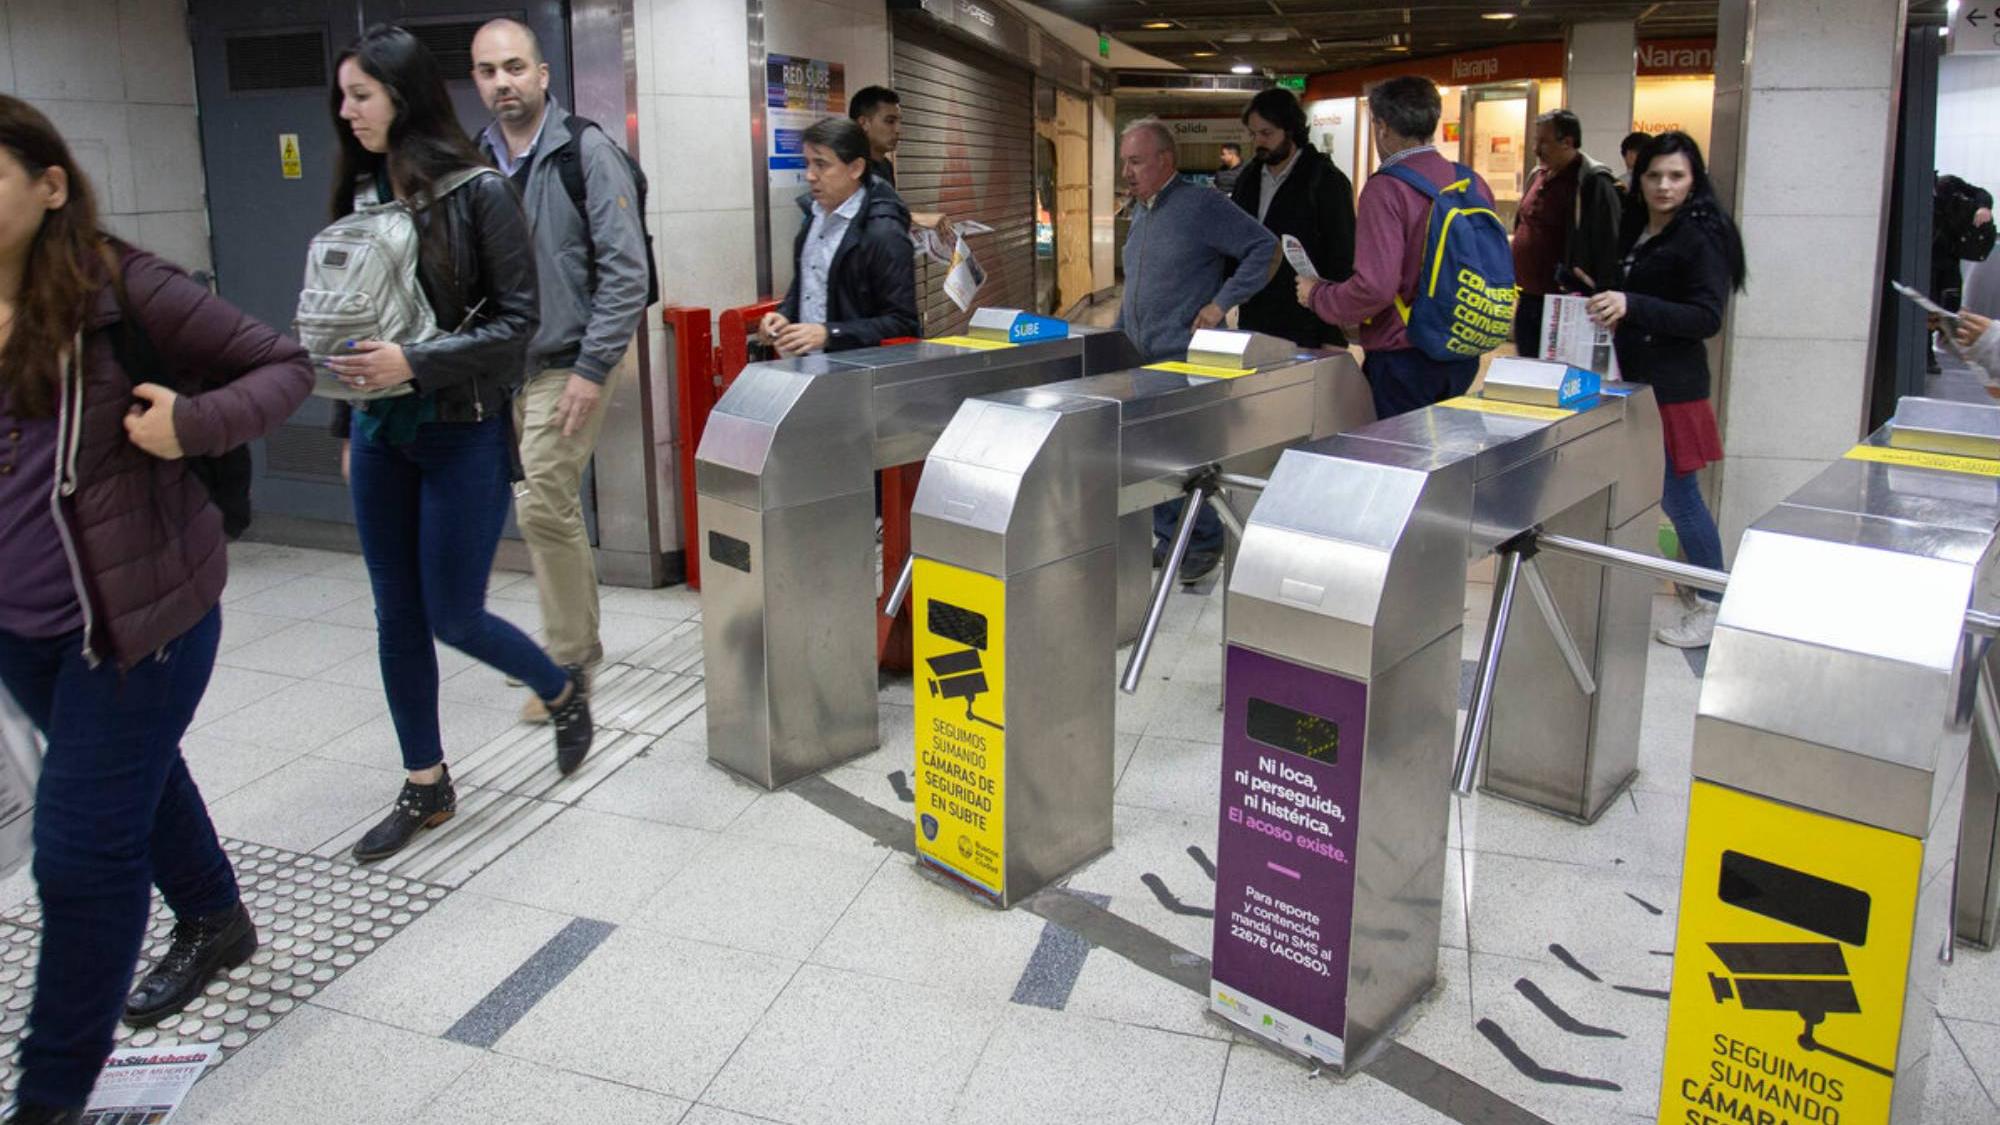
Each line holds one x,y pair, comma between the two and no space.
1433,285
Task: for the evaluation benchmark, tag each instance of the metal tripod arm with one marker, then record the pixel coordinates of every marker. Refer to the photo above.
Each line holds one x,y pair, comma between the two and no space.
901,590
1545,601
1479,712
1135,666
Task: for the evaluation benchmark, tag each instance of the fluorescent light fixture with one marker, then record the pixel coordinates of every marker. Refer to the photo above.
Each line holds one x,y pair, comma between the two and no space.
1242,68
1156,25
1202,54
1950,9
1496,15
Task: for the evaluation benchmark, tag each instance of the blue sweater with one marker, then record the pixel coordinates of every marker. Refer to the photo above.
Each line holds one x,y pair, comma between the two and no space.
1189,248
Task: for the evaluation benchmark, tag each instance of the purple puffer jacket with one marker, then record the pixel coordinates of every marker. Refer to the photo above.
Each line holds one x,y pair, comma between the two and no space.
145,546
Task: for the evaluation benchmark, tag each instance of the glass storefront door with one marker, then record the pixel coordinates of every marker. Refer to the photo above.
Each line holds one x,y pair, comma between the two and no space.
1497,142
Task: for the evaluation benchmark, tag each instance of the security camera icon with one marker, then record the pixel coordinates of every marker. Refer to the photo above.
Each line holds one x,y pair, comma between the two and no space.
960,674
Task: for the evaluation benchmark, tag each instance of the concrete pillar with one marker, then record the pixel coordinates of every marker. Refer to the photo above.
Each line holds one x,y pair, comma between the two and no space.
1792,388
1598,70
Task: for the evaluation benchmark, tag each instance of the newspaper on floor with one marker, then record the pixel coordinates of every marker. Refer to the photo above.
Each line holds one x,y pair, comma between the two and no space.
145,1085
1301,262
1570,336
20,766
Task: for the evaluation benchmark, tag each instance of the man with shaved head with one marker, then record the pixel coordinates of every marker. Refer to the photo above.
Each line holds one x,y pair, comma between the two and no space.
583,202
1190,257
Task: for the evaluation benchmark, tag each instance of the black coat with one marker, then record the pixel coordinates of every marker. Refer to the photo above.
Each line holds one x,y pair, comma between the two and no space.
1676,287
871,291
1315,205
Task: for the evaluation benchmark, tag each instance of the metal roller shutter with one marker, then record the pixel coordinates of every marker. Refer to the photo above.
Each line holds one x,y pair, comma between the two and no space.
968,151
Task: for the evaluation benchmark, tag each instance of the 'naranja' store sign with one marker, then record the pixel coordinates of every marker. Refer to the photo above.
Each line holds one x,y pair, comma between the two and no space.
1516,62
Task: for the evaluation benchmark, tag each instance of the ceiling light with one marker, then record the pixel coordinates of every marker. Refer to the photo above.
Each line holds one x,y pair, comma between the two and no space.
1157,25
1496,15
1242,68
1400,49
1202,54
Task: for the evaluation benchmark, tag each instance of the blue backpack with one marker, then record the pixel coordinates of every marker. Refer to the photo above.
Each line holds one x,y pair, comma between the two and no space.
1465,298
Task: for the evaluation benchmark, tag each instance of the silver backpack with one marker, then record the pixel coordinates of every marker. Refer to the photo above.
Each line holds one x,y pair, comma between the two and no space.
361,284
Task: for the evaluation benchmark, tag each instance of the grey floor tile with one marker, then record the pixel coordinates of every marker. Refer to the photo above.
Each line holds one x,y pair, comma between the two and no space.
674,783
1112,988
1964,1072
221,767
1600,916
484,686
840,1048
303,715
306,597
673,603
1190,712
232,689
488,825
592,865
249,581
789,817
710,1115
435,971
1147,842
759,895
1170,775
914,928
364,669
650,1010
1641,830
285,559
498,1090
1632,1062
465,726
525,616
240,628
301,804
1047,1066
1970,989
356,614
1262,1086
326,1067
304,649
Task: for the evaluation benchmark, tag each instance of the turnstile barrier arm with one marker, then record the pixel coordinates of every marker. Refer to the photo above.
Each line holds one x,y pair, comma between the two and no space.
1135,667
1538,586
901,590
1479,711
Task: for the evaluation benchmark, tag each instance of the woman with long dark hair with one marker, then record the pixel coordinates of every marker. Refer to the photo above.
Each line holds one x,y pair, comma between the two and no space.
430,471
114,562
1679,266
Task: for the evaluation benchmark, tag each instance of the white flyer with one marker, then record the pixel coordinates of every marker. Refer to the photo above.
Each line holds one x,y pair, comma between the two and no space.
962,283
1301,262
145,1085
1570,336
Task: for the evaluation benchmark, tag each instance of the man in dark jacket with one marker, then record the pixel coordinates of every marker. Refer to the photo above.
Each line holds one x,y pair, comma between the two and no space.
879,112
854,282
1568,224
1294,189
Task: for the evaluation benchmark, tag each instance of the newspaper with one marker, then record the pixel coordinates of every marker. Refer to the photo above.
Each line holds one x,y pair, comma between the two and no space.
1301,262
20,768
1570,336
145,1085
965,275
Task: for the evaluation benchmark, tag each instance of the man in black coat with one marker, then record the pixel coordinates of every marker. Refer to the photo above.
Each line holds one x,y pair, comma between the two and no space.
1292,188
854,282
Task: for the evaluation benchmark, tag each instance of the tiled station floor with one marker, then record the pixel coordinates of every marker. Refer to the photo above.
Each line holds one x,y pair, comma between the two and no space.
653,940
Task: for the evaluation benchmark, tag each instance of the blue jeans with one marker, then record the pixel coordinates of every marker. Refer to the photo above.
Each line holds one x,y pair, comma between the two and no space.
430,514
1680,498
1407,379
1207,526
115,813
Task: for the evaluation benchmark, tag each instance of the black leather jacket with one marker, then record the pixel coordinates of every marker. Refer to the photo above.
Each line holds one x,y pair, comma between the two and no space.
472,374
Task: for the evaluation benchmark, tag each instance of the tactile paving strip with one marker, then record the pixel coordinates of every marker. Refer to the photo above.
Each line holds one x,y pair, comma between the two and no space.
316,918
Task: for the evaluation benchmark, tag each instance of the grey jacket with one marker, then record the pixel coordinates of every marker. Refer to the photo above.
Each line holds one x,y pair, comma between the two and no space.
1190,248
590,308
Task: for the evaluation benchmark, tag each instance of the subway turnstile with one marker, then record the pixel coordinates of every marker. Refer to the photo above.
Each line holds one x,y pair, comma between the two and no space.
1830,753
1017,532
784,480
1345,615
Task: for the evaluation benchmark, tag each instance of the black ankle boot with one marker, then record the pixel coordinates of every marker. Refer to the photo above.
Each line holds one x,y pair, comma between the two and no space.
418,807
202,947
29,1113
574,730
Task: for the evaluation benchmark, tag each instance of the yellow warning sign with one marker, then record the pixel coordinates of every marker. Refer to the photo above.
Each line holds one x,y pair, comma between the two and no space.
1789,965
1204,370
959,642
288,156
1918,459
1511,409
971,342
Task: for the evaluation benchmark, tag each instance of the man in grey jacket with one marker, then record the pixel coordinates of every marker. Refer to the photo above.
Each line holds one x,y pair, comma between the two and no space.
1191,256
591,257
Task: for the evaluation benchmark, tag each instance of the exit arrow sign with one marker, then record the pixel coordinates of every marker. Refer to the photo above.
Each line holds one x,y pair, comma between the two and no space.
1975,30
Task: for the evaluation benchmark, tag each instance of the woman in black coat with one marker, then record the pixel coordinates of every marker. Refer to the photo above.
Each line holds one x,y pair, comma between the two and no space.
1680,266
854,280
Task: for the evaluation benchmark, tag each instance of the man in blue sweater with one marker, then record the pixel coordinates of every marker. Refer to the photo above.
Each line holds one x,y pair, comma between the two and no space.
1191,256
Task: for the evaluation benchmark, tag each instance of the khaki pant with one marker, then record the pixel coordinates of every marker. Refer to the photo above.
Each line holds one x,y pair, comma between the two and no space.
550,513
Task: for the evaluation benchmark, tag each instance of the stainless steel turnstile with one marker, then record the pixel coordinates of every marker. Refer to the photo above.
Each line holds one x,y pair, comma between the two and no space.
1344,638
784,482
1016,534
1830,751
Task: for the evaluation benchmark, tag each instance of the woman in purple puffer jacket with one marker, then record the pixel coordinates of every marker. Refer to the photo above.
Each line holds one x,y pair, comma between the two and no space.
114,563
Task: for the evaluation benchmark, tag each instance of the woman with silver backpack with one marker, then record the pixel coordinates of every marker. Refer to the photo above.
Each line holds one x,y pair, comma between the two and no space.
432,449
